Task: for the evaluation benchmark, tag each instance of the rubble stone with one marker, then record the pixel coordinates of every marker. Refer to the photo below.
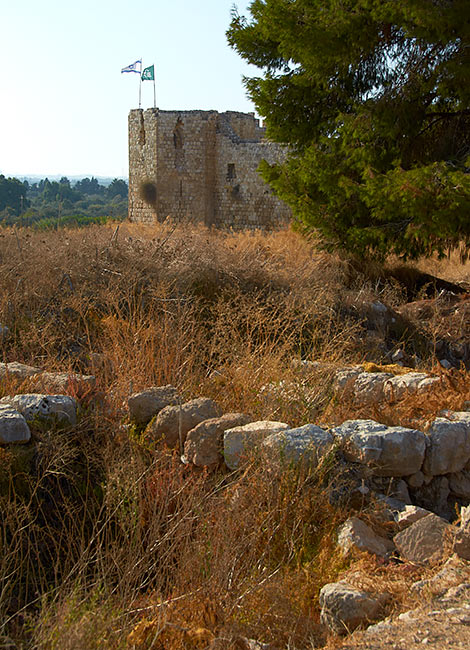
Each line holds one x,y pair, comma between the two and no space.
173,423
355,534
424,541
145,405
204,443
241,440
13,426
344,608
387,451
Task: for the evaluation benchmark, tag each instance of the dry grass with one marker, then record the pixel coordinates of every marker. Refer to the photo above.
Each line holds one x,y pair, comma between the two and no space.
108,544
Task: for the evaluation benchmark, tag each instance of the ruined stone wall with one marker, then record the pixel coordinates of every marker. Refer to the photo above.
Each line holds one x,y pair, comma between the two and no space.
201,166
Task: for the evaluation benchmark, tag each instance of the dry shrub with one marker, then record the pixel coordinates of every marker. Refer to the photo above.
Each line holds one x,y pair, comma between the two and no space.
174,551
103,538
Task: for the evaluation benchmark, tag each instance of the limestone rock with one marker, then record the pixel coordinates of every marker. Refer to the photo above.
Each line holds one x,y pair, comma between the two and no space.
172,423
13,426
291,446
409,515
449,448
18,370
63,381
391,487
459,484
462,536
387,451
344,607
31,405
355,534
434,495
240,440
145,405
399,386
346,378
424,541
363,387
415,480
453,571
204,443
369,387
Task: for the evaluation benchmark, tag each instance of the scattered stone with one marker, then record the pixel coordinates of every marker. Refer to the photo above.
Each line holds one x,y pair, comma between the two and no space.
145,405
409,515
387,451
452,573
173,423
17,370
369,387
424,541
445,363
292,446
449,448
204,443
63,382
399,386
462,535
355,534
62,408
13,427
240,643
344,608
240,440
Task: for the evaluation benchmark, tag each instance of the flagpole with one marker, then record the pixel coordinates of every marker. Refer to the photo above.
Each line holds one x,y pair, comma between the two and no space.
154,95
140,83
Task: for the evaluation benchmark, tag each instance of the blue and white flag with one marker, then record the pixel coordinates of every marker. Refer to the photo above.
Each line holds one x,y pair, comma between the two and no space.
133,67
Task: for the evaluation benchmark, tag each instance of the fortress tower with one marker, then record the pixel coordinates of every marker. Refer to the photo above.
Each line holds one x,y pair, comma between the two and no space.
201,166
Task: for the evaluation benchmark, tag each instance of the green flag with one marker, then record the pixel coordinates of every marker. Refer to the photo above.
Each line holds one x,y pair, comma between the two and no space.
148,74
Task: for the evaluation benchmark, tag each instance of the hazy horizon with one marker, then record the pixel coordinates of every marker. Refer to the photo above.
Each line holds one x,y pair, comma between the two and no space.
65,102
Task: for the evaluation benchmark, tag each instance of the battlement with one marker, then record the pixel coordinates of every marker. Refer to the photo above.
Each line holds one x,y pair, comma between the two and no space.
201,166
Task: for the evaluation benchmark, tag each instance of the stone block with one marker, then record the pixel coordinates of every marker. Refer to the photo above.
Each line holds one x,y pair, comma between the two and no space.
58,408
239,441
293,446
13,427
449,445
344,607
143,406
425,541
354,534
173,423
387,451
204,443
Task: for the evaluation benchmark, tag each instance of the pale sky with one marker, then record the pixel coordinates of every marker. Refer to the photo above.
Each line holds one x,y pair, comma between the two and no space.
64,102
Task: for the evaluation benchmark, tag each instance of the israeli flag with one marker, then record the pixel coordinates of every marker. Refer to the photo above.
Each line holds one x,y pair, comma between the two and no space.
133,67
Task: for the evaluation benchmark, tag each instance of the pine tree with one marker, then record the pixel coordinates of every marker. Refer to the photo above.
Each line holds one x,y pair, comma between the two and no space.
373,99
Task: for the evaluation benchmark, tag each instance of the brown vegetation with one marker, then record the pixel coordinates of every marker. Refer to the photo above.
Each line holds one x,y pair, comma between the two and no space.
107,543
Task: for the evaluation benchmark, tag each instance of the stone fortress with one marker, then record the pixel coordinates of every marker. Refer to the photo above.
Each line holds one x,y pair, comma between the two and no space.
200,166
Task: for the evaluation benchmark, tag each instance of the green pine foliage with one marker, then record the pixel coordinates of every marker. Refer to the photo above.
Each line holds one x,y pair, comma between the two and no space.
373,99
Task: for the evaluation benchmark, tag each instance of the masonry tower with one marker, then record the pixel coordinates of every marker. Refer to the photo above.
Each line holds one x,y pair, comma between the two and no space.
201,166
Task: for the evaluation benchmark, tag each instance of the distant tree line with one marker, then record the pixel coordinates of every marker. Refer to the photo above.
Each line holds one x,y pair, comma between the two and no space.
57,203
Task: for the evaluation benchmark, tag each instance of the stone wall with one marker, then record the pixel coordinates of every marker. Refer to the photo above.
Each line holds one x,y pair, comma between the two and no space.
201,166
